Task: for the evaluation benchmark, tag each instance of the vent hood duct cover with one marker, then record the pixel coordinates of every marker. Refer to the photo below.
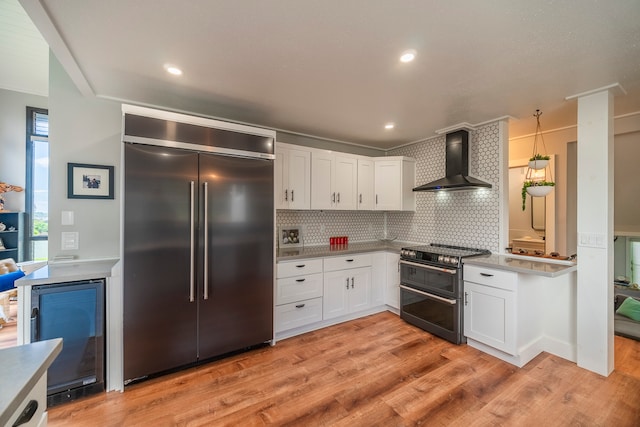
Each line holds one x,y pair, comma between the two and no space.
457,166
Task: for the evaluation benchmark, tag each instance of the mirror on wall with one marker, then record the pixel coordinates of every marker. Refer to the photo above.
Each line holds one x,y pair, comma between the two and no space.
538,206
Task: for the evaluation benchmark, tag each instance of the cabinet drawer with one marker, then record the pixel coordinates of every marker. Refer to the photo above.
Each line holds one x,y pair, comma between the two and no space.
348,261
491,277
298,288
299,267
298,314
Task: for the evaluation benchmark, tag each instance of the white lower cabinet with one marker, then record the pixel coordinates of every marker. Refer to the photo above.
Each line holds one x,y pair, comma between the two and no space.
346,291
298,293
392,281
490,317
299,313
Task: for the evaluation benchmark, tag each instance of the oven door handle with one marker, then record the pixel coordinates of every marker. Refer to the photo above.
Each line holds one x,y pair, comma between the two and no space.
430,267
447,300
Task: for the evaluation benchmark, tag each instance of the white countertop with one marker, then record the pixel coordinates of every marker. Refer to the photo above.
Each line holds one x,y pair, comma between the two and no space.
20,369
352,248
68,272
524,264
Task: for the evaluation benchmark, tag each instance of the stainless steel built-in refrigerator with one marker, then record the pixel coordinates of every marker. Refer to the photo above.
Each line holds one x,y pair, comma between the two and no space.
198,249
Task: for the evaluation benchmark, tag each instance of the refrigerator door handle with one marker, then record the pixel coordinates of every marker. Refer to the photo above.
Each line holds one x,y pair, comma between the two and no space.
193,248
34,325
206,240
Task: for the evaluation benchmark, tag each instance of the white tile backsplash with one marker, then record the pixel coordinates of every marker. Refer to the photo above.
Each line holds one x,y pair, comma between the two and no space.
464,218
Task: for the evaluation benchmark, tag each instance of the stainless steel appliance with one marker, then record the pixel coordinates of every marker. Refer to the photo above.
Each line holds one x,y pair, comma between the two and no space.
198,243
73,311
431,288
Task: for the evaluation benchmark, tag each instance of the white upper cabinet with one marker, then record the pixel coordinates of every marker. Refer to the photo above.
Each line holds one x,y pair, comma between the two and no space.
293,177
395,179
333,180
366,193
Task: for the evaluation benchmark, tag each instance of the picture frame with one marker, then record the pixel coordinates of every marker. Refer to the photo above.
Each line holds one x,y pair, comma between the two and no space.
86,181
290,236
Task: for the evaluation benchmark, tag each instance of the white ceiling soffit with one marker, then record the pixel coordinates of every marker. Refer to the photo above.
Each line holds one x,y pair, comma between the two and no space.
24,52
331,68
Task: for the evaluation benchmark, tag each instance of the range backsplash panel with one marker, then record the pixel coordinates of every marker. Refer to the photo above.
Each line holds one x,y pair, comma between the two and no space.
360,226
465,218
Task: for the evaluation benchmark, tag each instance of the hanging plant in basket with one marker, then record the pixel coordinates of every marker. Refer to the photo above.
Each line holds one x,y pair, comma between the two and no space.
538,162
535,189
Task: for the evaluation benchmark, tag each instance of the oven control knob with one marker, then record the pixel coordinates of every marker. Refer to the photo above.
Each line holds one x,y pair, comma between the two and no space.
440,258
412,254
454,260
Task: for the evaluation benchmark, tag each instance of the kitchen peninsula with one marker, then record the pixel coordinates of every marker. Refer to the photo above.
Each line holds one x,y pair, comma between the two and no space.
517,307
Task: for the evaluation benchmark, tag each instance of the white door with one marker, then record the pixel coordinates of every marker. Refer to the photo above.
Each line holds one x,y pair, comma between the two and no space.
359,294
281,178
346,182
388,184
489,316
335,299
322,170
299,179
366,194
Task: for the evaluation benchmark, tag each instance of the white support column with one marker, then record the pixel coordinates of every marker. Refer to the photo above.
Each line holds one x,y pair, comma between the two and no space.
595,231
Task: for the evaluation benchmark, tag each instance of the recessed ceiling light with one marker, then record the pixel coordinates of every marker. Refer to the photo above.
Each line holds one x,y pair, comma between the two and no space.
172,69
389,126
408,55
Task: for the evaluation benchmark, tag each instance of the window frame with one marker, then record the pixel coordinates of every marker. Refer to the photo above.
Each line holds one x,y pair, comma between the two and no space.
31,137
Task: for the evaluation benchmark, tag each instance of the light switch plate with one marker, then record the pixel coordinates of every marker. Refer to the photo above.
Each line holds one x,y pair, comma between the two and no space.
67,217
69,240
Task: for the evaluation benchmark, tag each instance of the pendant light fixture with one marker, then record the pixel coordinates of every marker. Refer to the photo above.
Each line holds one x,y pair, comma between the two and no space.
539,179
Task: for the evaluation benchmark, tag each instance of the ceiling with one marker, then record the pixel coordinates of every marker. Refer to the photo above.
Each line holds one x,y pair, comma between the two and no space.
331,68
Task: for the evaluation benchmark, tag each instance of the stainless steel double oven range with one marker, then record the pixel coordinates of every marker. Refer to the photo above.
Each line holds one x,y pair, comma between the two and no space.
431,288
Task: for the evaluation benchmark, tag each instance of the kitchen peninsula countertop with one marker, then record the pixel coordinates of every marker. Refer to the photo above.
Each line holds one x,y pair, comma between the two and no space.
20,370
68,272
351,248
523,264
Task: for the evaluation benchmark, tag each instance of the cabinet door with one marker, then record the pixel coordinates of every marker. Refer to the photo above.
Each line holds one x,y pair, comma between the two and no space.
359,294
336,289
346,182
281,178
392,294
387,179
322,170
366,194
489,316
378,279
299,179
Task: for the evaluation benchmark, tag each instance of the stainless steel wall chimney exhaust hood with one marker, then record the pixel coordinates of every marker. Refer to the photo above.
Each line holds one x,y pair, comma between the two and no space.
457,166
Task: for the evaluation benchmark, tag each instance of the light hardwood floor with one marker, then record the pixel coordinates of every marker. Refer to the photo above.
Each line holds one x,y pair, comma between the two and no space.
374,371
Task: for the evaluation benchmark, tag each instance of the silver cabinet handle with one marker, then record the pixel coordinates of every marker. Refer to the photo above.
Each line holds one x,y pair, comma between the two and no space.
333,198
299,305
347,283
286,195
352,283
486,274
192,252
206,241
466,298
300,266
360,198
338,197
349,260
292,195
376,199
300,280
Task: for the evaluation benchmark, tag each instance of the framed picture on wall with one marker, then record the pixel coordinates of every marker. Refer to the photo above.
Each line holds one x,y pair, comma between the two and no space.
89,181
289,236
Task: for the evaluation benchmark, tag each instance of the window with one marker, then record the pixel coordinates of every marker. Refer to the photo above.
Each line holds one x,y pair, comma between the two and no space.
37,191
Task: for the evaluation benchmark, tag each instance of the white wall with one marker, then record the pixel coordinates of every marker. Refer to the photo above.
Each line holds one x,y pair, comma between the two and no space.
82,130
13,134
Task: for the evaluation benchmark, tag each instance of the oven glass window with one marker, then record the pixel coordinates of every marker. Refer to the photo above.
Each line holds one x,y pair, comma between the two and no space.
425,279
429,310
